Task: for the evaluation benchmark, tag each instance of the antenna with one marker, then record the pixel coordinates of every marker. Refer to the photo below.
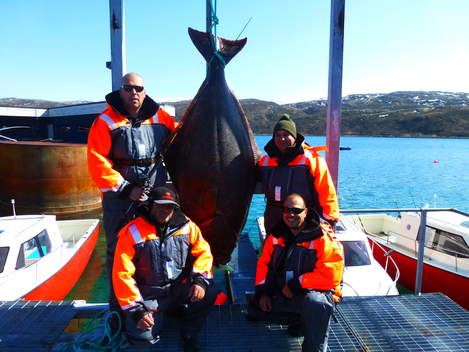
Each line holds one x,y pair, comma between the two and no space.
243,28
13,206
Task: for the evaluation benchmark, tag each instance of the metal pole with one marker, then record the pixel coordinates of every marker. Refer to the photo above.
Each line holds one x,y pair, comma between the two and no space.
334,100
422,230
208,16
209,22
117,63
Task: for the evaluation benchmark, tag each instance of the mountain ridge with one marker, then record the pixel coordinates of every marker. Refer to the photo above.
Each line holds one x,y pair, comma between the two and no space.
400,113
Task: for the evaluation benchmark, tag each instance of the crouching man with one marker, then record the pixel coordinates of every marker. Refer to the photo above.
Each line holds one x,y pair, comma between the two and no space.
299,272
163,263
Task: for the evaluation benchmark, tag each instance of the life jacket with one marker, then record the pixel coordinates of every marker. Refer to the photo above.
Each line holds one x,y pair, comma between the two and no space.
135,147
303,172
280,181
120,148
314,258
149,264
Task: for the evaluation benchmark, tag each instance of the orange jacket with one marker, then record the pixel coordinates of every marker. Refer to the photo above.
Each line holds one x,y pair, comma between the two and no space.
100,165
320,177
137,274
317,263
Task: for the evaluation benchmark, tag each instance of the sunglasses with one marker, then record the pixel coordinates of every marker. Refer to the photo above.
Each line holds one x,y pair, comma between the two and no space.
293,210
129,87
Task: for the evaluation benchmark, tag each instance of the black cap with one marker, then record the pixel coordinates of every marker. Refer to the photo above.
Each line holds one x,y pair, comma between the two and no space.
164,195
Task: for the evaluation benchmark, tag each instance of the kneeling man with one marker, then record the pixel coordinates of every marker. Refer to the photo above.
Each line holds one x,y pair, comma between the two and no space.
162,263
299,272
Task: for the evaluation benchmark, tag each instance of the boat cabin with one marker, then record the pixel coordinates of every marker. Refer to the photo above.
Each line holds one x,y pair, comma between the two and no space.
448,232
25,239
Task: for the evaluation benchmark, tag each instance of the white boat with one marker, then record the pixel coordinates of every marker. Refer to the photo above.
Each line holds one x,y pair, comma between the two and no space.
42,258
363,275
446,254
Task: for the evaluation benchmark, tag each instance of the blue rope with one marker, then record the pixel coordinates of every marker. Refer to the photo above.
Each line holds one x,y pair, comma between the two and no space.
217,54
213,18
99,337
213,25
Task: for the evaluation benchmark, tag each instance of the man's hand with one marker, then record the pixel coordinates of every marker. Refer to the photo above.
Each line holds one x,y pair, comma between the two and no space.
287,292
265,303
146,323
196,293
138,194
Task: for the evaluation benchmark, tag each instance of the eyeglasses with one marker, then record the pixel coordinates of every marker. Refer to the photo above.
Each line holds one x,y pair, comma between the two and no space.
293,210
129,87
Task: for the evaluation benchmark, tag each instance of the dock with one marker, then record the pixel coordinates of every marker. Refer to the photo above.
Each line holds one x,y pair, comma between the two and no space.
428,322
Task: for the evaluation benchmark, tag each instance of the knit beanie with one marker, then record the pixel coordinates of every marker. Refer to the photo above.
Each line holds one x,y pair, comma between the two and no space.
286,123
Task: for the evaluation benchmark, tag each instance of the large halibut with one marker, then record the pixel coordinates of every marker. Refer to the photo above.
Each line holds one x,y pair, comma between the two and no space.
212,159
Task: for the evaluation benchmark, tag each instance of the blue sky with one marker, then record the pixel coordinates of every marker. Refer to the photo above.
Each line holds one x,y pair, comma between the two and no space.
57,49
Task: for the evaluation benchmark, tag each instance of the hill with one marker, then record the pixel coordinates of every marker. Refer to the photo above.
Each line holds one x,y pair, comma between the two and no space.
405,114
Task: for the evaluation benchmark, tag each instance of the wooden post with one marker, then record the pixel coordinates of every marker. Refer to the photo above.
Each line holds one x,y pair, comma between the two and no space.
117,63
334,100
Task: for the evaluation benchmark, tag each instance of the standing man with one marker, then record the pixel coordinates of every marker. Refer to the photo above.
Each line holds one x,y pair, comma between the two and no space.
299,271
124,145
162,262
291,166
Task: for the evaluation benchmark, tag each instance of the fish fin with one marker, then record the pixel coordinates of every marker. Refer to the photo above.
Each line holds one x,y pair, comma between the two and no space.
227,48
202,42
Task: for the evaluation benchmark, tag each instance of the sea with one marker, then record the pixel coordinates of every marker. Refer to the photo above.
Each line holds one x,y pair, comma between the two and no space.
374,173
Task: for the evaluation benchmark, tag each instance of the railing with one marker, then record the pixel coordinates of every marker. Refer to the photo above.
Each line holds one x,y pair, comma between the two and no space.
386,254
421,234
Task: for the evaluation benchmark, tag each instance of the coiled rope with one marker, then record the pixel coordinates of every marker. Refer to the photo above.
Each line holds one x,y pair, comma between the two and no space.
98,336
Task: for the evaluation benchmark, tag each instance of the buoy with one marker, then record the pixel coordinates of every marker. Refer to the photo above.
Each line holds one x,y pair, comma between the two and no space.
435,161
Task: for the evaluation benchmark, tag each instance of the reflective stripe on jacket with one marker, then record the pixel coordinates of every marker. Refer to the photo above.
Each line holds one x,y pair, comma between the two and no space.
115,146
145,265
308,175
315,264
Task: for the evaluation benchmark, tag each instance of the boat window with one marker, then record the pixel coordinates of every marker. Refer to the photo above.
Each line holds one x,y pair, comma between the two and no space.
3,257
20,262
44,242
339,227
446,242
33,249
356,253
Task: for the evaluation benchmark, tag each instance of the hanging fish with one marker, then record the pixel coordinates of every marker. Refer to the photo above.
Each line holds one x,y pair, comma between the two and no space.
213,157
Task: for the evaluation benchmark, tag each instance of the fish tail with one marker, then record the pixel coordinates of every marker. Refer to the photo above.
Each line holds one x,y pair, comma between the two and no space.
226,48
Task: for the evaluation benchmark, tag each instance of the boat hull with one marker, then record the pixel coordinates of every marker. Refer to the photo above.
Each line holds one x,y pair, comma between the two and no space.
60,284
433,279
46,177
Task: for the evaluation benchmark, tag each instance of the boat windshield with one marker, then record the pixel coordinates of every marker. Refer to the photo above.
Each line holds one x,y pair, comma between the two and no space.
33,249
3,257
355,253
446,242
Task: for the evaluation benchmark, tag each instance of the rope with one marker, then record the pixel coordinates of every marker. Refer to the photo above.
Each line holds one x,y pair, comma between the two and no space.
213,18
98,336
213,25
216,54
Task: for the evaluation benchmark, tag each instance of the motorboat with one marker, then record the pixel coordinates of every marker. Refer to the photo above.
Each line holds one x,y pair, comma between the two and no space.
446,252
363,274
41,258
